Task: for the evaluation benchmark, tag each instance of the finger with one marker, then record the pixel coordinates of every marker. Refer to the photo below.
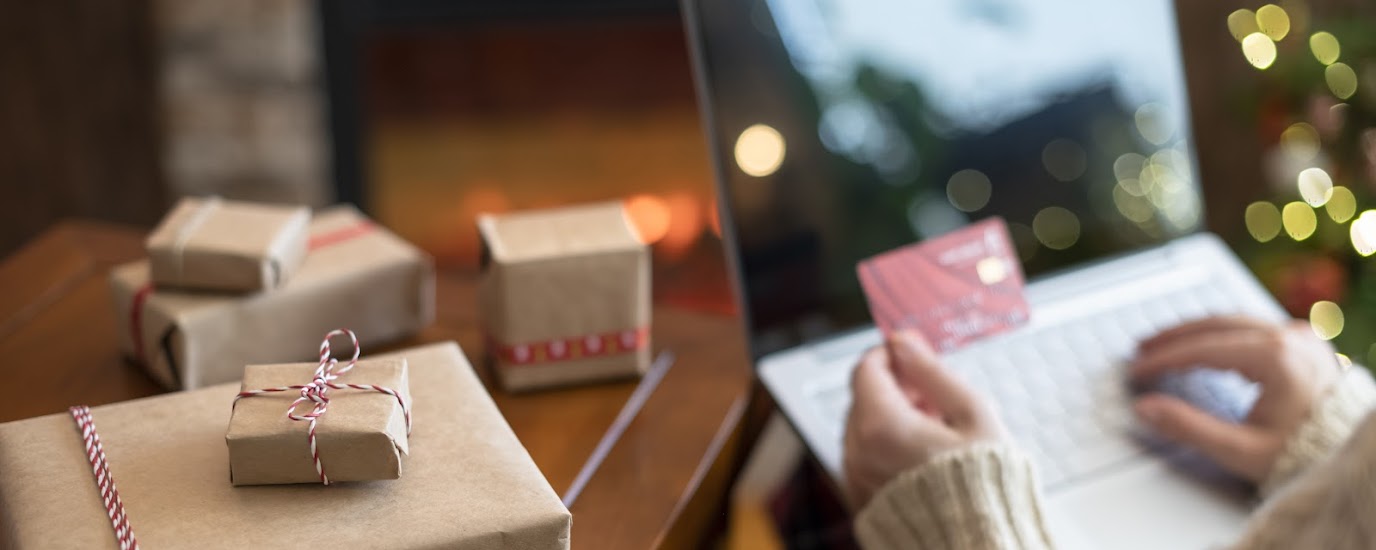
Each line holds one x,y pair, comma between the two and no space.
1243,351
873,385
917,365
1233,446
1202,326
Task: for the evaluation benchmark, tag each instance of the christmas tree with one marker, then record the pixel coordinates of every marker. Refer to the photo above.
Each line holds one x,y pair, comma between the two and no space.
1316,106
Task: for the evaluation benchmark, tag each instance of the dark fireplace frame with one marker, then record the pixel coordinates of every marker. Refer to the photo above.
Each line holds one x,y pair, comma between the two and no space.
344,29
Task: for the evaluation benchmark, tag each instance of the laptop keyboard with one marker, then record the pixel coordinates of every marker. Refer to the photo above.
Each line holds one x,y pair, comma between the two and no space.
1062,390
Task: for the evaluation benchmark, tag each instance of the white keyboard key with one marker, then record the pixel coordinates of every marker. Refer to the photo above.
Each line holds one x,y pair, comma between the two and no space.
1097,454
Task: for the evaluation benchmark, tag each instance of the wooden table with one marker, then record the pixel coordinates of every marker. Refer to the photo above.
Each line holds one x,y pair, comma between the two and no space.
662,484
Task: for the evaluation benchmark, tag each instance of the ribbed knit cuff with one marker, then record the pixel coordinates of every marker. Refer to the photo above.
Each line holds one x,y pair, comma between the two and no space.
981,497
1329,425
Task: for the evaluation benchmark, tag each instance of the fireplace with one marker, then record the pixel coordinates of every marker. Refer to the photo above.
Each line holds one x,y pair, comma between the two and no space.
440,111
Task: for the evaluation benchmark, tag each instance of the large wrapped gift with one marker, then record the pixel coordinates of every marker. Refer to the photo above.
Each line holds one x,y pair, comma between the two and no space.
356,413
468,484
356,274
565,296
214,244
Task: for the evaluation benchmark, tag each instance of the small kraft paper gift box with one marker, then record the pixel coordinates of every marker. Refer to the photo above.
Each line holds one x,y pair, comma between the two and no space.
468,482
565,296
355,413
215,244
355,274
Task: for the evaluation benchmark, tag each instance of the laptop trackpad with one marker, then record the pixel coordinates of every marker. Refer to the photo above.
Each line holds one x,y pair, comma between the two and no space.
1149,505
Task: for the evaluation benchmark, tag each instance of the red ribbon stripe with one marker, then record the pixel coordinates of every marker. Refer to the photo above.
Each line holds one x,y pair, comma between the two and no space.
575,347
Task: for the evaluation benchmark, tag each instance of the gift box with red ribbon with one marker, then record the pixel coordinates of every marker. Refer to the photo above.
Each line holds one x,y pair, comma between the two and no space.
565,296
355,274
152,473
220,245
356,414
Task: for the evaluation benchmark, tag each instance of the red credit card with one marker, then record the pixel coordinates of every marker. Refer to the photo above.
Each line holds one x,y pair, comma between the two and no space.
953,289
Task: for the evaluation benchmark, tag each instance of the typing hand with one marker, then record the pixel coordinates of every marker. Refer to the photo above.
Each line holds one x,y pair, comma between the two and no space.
906,408
1291,365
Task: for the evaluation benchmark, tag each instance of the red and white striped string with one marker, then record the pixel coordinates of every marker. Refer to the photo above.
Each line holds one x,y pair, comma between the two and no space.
317,393
95,452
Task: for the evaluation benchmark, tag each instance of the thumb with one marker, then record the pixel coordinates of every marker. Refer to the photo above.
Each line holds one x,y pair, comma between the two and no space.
1236,447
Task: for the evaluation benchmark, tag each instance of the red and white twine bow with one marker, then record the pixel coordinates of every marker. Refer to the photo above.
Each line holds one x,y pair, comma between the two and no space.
109,495
317,392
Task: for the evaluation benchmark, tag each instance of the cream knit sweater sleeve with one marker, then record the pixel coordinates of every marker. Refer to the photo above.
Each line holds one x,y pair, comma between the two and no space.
985,497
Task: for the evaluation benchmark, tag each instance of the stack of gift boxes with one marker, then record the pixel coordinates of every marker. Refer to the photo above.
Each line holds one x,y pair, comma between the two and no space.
401,450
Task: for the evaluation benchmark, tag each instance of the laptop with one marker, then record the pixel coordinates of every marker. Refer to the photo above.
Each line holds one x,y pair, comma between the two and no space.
840,129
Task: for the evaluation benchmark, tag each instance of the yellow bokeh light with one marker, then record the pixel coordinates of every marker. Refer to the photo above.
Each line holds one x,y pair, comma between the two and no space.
1259,50
1363,233
760,150
1273,21
1065,160
1299,220
1344,362
1056,227
1242,23
1300,141
1133,206
1342,80
1153,124
1316,186
1342,204
1325,47
1326,318
968,190
1263,221
1128,166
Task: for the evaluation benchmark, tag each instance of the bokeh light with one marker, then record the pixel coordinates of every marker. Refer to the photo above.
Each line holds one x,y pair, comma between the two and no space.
1242,23
968,190
1132,205
686,224
1300,141
1342,204
1299,220
1128,166
1363,233
1273,21
760,150
1056,227
1263,221
1259,50
650,215
1153,123
1316,186
1326,318
1325,47
1342,80
1065,160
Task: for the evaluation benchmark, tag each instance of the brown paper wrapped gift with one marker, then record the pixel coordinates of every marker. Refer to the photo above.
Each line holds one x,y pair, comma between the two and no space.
565,296
214,244
362,435
356,275
468,484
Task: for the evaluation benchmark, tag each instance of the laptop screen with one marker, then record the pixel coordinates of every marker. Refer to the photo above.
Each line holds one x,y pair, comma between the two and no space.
844,128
